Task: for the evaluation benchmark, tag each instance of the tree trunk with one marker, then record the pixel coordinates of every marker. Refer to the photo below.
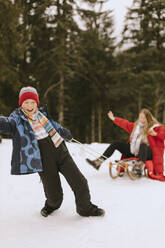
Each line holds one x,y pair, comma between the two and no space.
163,119
93,125
99,123
86,137
156,100
139,102
61,101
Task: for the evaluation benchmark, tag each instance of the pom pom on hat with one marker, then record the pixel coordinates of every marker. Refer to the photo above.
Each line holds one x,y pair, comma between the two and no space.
28,93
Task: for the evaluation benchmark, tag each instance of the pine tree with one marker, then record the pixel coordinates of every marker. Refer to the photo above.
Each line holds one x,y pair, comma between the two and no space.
144,31
49,31
144,26
95,49
52,37
12,49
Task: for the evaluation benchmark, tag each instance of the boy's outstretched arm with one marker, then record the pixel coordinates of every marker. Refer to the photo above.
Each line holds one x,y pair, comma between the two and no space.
7,125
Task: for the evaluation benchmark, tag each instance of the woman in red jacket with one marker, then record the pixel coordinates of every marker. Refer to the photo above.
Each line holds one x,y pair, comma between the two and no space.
146,141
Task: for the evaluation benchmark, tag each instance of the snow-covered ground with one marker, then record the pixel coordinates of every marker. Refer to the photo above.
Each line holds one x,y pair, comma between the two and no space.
135,210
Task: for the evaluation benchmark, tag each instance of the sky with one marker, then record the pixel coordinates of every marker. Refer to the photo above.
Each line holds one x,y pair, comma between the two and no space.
120,10
134,210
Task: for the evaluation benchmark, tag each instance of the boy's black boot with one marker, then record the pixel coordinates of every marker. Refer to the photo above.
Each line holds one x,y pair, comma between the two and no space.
93,210
47,210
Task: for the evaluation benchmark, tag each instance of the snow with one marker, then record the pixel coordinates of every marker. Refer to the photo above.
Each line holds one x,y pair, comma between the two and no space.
135,210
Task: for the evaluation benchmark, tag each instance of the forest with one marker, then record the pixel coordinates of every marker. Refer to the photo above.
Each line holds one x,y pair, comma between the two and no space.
71,56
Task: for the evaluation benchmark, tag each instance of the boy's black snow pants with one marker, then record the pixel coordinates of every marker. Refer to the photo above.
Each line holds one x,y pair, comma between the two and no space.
145,152
57,160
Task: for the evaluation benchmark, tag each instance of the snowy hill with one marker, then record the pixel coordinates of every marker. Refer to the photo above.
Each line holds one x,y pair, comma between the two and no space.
135,210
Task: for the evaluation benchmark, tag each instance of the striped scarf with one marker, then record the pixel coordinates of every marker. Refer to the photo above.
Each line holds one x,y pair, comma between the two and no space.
47,125
54,135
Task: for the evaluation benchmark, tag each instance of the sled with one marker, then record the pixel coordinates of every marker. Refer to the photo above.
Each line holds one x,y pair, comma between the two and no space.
125,166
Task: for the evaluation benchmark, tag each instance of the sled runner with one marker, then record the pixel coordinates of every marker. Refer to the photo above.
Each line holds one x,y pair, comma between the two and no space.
129,166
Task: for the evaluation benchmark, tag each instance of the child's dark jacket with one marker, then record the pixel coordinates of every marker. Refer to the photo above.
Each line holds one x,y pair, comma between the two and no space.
26,158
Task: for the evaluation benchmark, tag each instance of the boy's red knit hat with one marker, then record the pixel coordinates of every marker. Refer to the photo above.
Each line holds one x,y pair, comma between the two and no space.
28,93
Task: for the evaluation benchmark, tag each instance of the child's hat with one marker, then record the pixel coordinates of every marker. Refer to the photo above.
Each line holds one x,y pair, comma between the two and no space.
28,93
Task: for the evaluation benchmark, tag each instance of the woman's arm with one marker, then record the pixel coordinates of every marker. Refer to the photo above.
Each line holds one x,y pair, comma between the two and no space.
123,123
158,132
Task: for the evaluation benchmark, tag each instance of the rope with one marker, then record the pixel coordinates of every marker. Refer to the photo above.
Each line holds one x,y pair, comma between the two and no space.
101,155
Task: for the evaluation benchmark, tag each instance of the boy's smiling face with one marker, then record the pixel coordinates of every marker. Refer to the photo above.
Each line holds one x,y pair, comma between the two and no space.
29,106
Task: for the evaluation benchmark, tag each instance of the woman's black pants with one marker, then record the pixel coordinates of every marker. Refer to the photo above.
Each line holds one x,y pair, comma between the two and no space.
145,152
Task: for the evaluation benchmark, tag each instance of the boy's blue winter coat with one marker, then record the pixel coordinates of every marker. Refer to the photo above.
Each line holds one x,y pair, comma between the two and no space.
26,156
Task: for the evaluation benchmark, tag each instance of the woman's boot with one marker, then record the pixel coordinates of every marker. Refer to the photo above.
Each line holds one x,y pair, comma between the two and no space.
96,163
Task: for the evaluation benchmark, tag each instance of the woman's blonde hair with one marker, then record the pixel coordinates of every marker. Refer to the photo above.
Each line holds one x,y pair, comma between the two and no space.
150,121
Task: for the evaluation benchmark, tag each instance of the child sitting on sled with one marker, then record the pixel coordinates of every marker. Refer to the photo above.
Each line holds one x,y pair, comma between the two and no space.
146,142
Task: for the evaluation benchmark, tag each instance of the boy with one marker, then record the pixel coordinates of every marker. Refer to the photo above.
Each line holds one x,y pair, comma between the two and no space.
38,146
